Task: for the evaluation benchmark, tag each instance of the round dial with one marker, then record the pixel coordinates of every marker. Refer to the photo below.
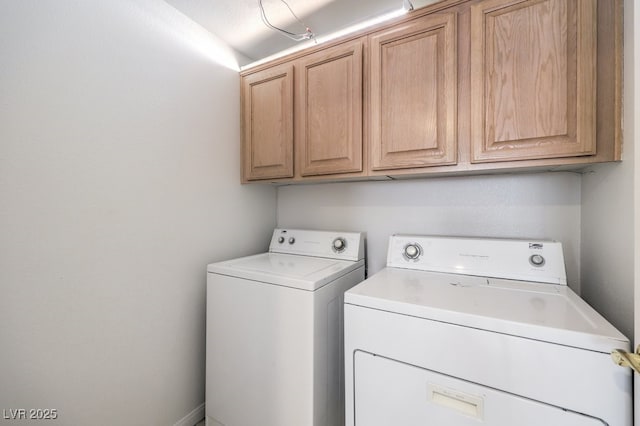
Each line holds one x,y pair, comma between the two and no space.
412,251
536,260
339,245
292,240
281,240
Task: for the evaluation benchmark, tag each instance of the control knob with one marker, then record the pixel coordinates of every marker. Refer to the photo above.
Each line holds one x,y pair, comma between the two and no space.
292,240
536,260
339,245
281,240
412,251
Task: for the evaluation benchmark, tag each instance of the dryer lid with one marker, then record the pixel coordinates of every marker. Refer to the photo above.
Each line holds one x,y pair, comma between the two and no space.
550,313
301,272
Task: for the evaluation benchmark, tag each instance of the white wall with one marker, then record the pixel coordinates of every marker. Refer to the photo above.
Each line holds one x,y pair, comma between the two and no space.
119,182
608,214
545,205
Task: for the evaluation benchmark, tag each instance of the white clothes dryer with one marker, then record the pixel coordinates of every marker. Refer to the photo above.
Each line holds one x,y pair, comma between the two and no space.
275,331
461,331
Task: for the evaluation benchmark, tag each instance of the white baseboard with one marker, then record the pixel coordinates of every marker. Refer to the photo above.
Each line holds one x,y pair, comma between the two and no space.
196,415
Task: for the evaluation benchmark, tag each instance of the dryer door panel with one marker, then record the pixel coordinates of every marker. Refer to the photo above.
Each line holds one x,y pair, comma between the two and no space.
388,392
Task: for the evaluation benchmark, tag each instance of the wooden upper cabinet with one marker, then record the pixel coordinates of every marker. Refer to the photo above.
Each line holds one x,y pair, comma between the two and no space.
457,86
413,94
328,111
533,79
267,113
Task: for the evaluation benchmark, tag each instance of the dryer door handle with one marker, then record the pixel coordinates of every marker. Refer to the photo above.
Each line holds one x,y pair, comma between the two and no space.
625,359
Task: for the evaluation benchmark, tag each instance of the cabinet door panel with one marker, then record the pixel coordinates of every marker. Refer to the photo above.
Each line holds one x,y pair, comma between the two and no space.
329,111
268,124
533,79
413,94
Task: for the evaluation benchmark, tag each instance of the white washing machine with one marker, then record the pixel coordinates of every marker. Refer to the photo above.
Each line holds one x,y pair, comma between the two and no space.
275,331
459,331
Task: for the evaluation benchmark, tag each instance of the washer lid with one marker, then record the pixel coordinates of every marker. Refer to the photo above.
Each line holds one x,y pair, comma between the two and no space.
302,272
550,313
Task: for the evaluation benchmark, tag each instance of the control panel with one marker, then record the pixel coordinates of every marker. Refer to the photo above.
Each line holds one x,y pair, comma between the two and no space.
330,244
527,260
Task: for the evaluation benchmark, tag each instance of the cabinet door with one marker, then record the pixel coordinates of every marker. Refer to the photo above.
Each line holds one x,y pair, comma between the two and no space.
413,94
533,79
329,111
267,113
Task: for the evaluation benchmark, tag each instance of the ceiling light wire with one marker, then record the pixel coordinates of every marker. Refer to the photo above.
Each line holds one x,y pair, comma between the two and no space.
296,37
407,5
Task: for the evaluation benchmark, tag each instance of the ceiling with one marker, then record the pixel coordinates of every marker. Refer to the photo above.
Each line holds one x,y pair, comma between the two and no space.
238,22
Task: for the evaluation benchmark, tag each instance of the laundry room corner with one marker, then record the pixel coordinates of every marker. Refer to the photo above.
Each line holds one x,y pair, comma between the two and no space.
608,214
